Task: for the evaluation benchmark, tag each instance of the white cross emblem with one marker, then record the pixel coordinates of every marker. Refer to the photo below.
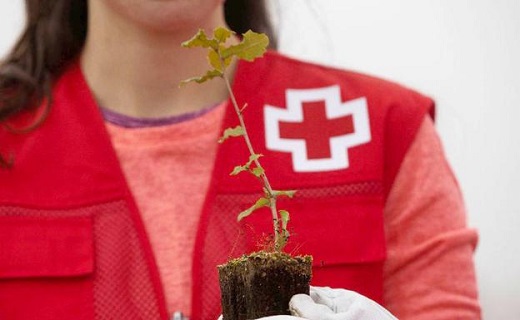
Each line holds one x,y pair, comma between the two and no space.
317,128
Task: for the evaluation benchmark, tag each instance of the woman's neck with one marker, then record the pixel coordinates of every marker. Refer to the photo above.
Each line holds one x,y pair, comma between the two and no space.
137,72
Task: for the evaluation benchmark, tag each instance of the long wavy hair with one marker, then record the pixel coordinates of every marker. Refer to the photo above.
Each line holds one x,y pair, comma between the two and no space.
54,35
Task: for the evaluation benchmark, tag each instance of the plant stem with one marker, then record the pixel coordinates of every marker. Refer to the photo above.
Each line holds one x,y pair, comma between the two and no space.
279,242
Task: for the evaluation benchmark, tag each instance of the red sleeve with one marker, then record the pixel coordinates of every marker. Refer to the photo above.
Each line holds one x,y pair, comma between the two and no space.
429,273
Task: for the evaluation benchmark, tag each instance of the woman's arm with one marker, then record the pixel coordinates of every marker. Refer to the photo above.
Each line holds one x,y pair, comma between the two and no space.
429,273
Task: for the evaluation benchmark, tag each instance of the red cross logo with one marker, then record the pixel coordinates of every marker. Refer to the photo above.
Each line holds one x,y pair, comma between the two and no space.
317,128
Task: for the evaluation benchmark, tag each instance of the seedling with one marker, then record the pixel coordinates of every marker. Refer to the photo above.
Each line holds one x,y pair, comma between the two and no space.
220,56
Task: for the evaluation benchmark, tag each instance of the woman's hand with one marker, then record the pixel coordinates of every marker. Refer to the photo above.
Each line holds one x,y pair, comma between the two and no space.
334,304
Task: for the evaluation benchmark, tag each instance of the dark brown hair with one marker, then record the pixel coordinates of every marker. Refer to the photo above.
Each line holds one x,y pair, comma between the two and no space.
54,35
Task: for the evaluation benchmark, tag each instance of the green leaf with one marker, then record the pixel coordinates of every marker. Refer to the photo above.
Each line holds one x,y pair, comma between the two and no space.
238,169
200,39
208,76
252,46
215,61
227,61
262,202
254,157
284,214
284,193
231,132
258,171
221,34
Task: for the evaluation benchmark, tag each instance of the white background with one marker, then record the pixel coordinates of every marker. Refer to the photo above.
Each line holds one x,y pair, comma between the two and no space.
466,55
463,53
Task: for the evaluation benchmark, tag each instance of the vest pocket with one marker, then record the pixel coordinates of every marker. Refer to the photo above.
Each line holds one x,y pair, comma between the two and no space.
345,236
46,267
347,241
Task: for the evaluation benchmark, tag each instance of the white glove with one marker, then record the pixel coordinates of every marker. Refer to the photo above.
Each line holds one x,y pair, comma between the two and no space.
274,318
334,304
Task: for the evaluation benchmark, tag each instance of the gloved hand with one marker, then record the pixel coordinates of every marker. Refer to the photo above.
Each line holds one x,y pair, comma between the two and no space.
334,304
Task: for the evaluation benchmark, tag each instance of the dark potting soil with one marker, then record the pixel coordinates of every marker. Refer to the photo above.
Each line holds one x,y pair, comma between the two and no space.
262,283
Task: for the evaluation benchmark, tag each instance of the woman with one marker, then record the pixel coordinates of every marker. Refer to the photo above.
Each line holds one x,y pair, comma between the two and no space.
116,202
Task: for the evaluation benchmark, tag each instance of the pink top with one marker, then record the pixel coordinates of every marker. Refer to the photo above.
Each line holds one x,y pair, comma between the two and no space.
425,217
172,162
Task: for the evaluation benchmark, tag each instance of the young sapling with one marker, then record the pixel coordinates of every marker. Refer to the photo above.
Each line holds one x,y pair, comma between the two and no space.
220,55
262,283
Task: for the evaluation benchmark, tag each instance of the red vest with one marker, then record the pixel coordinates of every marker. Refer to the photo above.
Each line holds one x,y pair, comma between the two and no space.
72,244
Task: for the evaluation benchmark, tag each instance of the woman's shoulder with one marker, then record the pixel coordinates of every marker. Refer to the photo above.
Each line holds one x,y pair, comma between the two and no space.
348,79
